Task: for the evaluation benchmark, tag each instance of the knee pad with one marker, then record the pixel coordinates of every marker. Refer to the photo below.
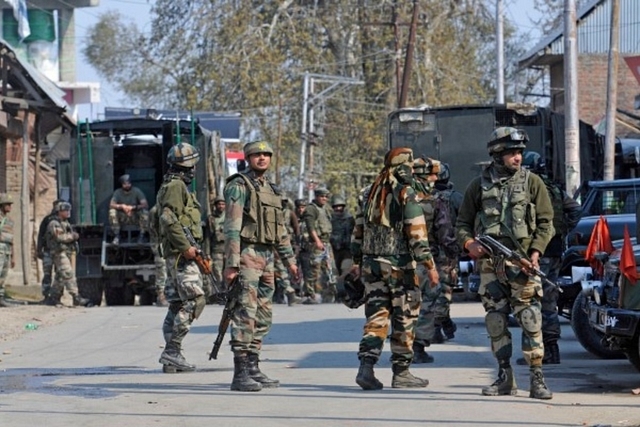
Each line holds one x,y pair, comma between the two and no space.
496,324
531,319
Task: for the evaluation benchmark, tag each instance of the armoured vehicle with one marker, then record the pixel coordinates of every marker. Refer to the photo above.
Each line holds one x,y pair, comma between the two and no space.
102,152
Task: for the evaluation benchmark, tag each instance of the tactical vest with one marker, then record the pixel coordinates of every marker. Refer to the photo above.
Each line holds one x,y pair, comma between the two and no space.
506,207
445,196
557,201
190,217
378,240
6,230
53,242
286,214
323,223
262,220
216,222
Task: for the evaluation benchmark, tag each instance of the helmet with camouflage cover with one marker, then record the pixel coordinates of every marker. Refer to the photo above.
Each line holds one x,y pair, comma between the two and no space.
300,202
63,206
338,201
426,166
184,155
533,161
444,175
6,199
257,147
507,138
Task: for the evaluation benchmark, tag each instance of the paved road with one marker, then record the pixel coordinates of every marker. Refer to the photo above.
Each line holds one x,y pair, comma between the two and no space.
101,369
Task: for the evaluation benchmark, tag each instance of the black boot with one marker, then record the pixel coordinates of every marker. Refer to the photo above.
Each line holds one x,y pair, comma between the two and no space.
259,376
241,379
449,328
438,338
420,355
53,299
551,354
78,300
173,360
538,389
402,378
504,385
366,378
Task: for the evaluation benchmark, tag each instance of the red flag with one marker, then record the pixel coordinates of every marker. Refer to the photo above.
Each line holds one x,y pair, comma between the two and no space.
628,260
600,241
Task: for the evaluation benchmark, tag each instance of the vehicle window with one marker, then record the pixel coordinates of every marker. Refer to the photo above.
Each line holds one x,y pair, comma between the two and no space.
612,202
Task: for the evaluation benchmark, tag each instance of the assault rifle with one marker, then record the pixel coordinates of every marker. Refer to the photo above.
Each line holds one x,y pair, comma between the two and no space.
496,248
203,261
232,301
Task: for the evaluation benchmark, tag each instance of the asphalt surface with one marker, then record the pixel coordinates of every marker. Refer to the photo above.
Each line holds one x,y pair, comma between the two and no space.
100,368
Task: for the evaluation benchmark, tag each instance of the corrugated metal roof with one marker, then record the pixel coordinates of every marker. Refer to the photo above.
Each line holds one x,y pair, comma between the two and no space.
594,21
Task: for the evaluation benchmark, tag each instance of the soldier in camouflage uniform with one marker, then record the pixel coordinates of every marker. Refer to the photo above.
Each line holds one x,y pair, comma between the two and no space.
389,239
436,298
43,252
448,265
6,245
342,223
566,214
158,259
254,229
128,205
304,253
178,209
511,205
216,225
61,241
317,219
283,281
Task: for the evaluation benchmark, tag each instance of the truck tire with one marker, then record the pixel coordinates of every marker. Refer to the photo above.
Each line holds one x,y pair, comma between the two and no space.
147,297
91,289
588,337
119,295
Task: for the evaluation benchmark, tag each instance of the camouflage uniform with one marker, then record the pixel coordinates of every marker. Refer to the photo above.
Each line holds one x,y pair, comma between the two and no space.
283,281
61,240
43,252
178,208
216,225
254,229
140,216
6,244
436,297
304,254
158,259
389,238
317,219
512,205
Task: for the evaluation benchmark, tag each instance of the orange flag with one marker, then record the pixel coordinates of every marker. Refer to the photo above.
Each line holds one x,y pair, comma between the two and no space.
628,260
600,241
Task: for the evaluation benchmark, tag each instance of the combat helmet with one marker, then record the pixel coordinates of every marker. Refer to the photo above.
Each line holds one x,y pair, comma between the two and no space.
300,202
63,206
444,175
533,161
507,138
426,166
257,147
6,199
338,201
184,155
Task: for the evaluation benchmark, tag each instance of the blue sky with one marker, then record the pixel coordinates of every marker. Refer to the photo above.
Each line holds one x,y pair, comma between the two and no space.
518,11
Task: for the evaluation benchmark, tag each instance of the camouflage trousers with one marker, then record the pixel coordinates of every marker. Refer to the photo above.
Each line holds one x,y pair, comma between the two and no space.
435,308
47,273
393,299
186,298
304,262
253,315
217,264
321,264
521,295
161,268
283,281
65,277
5,265
119,218
550,294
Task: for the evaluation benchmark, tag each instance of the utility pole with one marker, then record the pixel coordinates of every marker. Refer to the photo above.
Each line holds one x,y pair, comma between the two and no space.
500,52
309,100
408,62
612,92
571,125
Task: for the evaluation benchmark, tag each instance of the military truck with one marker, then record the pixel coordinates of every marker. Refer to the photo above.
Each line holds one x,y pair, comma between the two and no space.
100,153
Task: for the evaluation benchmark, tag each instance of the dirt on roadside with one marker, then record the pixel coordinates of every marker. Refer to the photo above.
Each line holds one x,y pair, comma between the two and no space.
20,320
